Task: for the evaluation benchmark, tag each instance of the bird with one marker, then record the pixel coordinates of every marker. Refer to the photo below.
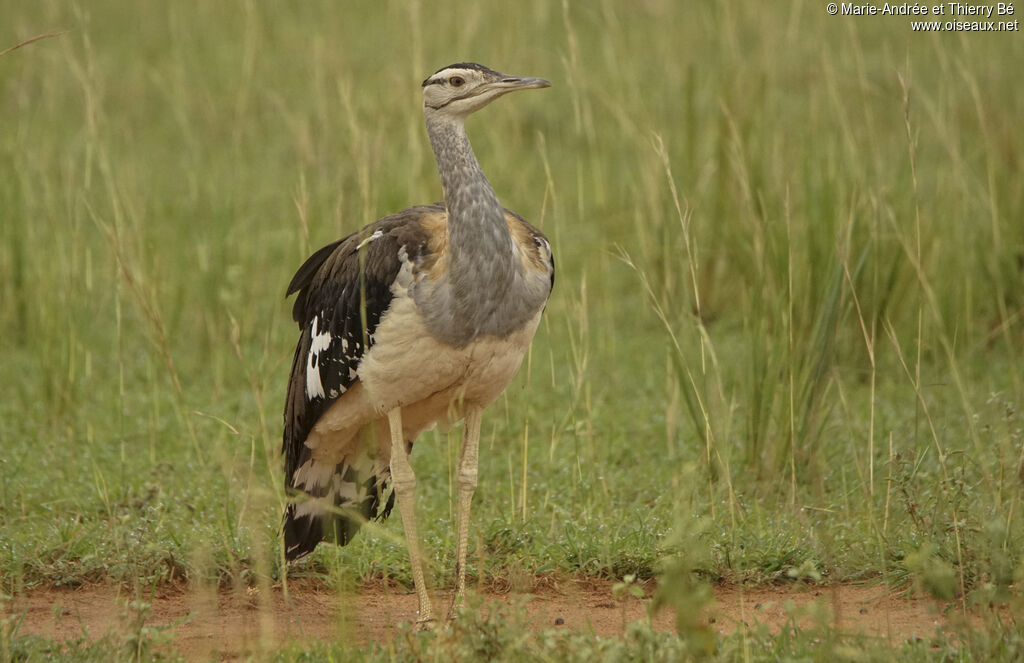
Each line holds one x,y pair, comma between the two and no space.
420,318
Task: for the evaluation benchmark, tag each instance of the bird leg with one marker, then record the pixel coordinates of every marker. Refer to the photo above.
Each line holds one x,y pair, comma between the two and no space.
468,461
405,492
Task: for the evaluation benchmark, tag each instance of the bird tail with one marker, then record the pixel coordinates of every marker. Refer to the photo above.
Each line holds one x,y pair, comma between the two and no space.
331,502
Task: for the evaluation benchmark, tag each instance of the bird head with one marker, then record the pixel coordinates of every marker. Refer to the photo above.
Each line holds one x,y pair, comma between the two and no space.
460,89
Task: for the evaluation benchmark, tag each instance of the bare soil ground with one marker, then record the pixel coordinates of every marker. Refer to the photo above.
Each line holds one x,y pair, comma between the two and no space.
225,624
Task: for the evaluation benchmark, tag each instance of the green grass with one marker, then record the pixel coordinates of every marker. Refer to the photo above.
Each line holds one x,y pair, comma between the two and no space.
785,341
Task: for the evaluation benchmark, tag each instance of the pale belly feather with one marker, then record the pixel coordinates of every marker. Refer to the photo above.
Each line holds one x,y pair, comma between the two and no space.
431,381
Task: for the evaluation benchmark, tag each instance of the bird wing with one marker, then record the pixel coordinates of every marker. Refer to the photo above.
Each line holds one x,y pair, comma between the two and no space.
343,290
534,243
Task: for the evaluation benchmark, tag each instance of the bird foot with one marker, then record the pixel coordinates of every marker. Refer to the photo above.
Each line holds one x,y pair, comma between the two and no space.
457,602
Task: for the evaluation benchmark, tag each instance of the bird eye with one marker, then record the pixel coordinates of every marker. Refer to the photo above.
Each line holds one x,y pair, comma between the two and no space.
457,81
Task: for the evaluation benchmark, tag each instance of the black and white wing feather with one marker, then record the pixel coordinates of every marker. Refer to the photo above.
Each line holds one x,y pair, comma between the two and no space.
343,290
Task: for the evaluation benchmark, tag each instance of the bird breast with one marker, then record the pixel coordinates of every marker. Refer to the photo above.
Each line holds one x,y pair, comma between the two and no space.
494,289
408,364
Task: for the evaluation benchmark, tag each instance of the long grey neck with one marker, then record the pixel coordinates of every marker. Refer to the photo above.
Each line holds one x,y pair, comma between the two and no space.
477,232
482,268
485,289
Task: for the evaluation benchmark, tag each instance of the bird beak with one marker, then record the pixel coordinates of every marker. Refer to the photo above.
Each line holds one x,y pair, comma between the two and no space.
506,84
521,83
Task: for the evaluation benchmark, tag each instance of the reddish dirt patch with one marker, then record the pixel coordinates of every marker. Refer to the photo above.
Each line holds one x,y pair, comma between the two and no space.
229,625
